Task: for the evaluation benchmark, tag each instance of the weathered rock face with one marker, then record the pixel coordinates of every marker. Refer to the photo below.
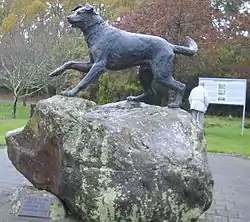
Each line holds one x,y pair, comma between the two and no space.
117,162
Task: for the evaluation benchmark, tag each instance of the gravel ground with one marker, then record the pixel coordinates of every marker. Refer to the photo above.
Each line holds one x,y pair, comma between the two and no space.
231,197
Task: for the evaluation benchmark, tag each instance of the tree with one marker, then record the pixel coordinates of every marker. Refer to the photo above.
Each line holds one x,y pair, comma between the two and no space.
232,17
30,48
21,76
176,19
41,23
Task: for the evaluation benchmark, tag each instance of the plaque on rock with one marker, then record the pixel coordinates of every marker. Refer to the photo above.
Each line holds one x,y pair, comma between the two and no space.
35,206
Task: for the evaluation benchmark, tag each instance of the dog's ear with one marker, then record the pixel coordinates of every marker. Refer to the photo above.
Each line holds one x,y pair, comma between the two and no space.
77,7
89,7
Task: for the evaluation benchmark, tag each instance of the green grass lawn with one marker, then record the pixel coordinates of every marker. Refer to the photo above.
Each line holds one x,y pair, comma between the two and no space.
6,123
6,111
223,134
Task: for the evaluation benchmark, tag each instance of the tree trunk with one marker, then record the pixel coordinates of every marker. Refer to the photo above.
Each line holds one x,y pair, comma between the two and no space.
25,101
14,107
25,97
32,109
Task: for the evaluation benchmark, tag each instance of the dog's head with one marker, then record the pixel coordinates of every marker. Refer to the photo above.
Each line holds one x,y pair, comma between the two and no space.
83,16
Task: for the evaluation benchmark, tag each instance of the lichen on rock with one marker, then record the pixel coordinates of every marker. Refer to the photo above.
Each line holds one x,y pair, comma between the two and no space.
123,161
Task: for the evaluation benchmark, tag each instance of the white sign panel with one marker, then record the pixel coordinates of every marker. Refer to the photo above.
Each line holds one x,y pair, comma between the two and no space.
226,91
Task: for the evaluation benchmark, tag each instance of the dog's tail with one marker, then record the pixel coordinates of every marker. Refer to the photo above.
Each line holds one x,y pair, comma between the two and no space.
189,51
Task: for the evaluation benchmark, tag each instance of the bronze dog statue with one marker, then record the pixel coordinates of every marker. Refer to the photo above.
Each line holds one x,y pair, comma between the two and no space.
111,48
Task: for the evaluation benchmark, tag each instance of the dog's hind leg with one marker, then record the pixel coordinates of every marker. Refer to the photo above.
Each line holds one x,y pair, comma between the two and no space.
163,74
179,89
146,78
76,65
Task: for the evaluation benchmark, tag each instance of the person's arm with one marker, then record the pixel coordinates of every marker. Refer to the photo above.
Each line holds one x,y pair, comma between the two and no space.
190,97
206,99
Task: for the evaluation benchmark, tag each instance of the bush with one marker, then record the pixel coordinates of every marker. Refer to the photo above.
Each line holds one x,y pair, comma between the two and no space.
247,125
215,123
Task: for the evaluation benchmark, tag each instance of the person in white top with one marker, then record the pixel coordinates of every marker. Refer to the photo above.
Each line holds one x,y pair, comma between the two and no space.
199,102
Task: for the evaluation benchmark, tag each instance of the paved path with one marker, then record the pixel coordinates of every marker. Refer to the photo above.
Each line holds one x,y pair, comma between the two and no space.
232,189
10,179
9,176
231,198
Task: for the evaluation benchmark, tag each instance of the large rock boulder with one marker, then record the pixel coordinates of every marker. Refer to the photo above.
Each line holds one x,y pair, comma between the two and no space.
122,162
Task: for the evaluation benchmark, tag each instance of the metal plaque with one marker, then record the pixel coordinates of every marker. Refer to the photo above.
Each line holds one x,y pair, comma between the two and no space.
35,206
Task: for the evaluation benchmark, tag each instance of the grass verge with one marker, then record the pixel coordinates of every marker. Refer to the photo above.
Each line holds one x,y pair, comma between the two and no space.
7,123
223,134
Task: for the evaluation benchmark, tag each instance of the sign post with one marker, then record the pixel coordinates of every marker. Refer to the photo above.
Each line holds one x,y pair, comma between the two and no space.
243,120
227,92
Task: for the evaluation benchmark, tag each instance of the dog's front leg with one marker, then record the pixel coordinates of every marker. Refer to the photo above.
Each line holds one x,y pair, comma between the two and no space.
96,70
76,65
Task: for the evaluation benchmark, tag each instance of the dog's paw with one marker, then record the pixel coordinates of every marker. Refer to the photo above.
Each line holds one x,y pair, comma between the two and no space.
68,93
132,98
57,72
54,73
173,105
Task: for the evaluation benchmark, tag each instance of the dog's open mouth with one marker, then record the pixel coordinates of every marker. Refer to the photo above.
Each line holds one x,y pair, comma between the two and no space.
75,24
72,25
